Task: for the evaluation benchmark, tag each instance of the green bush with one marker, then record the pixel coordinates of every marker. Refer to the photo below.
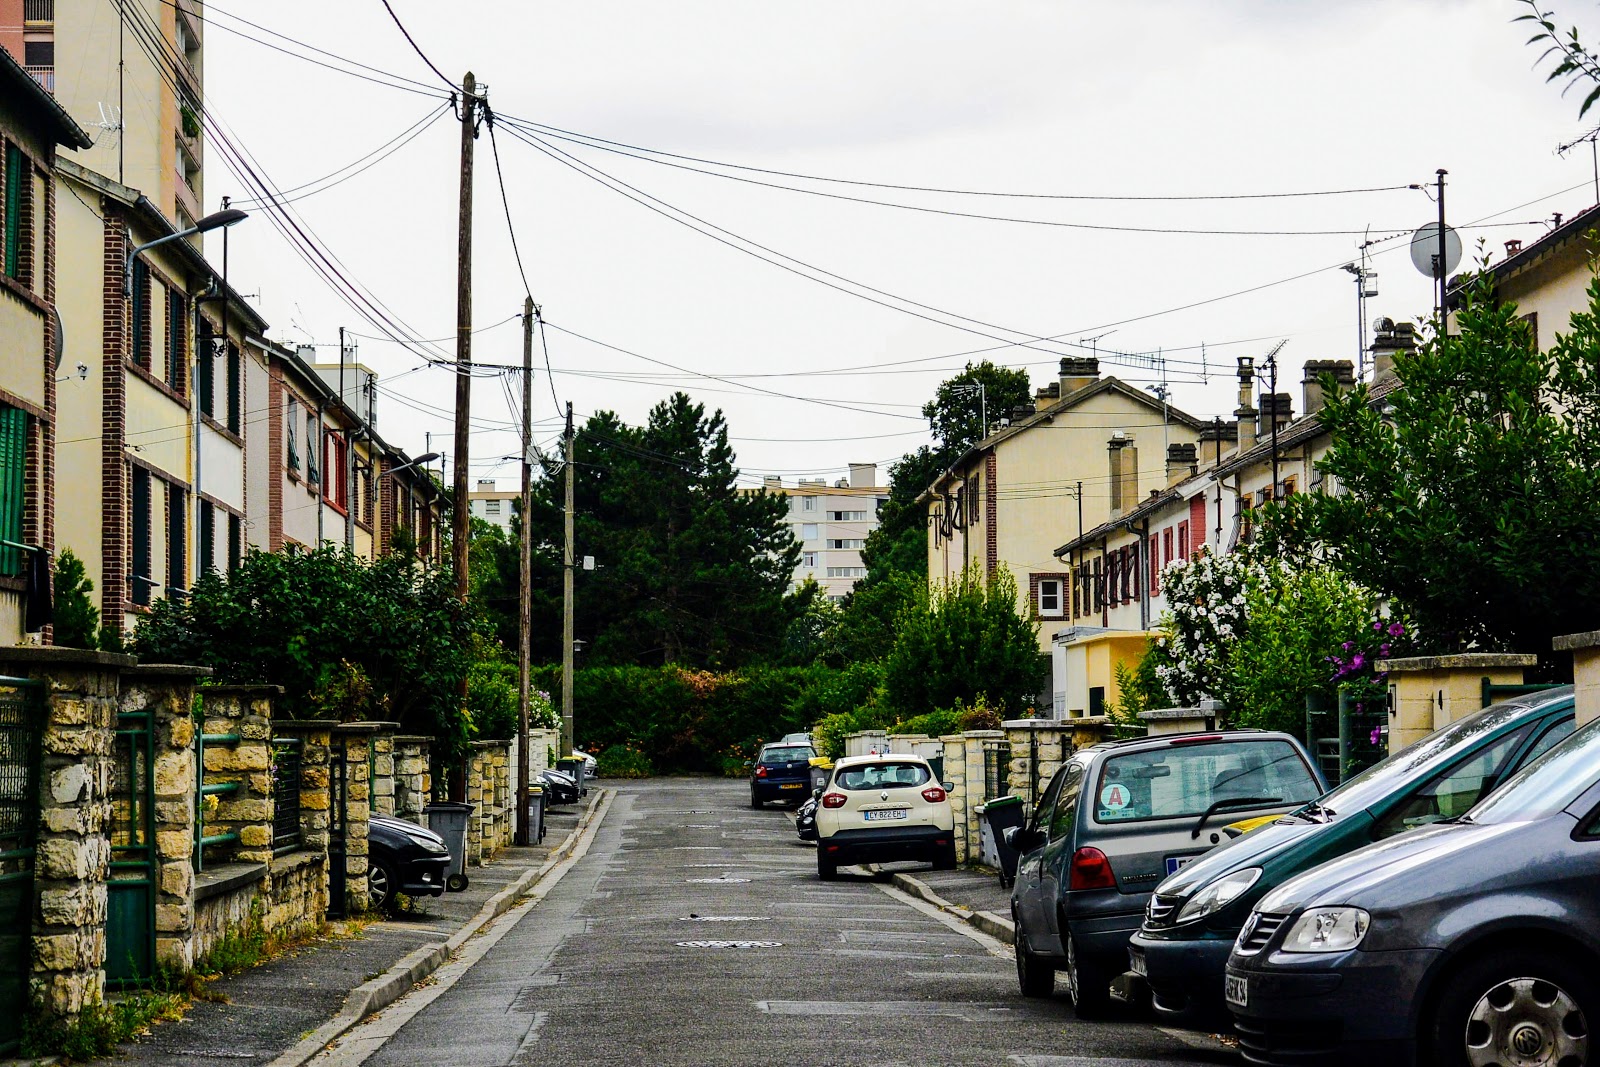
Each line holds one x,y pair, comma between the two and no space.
620,761
934,724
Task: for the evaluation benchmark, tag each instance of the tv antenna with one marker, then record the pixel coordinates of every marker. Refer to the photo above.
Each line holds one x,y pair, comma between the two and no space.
1594,155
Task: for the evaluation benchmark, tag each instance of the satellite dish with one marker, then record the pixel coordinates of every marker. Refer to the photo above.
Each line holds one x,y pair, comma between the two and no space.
1425,250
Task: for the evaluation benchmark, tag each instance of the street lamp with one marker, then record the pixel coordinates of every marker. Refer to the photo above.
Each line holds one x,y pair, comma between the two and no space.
213,221
425,458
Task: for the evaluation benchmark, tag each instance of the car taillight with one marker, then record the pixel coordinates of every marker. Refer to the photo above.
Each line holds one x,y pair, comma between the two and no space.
1091,870
933,795
761,771
833,800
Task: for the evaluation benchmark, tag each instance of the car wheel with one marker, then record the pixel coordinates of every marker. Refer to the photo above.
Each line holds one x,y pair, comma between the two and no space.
755,801
827,870
945,858
381,885
1527,1008
1088,984
1035,977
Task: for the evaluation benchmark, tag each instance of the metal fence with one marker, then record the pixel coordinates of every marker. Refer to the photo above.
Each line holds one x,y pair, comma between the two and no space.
286,753
38,10
996,769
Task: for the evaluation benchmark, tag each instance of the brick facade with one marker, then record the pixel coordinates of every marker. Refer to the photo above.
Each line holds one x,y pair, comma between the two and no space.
114,592
991,513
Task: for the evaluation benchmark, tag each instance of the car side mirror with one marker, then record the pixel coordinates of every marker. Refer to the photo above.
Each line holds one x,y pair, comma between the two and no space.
1019,838
949,787
749,763
817,792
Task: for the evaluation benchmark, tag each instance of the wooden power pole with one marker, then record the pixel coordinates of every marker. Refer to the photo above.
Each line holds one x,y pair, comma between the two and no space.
461,526
567,605
525,576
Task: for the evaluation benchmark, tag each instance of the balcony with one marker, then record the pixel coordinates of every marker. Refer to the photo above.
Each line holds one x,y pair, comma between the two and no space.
38,11
45,76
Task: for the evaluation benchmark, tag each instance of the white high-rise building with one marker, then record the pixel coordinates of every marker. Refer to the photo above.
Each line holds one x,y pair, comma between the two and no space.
832,522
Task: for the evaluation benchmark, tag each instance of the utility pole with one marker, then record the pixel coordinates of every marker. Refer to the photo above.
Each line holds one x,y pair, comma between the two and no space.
1444,271
567,603
525,576
461,525
349,472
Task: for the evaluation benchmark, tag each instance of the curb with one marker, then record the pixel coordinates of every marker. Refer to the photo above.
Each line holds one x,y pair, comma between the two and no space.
996,926
388,987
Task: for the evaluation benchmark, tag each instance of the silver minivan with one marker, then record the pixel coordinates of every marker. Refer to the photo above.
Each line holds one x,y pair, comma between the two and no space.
1114,821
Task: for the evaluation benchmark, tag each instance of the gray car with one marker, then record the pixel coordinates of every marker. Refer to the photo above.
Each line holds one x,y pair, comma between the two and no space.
1118,818
1475,941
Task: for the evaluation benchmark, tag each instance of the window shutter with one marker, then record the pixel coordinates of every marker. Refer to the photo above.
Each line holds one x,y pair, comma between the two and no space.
177,538
176,318
207,519
138,579
235,542
13,484
13,212
235,397
1183,540
1155,569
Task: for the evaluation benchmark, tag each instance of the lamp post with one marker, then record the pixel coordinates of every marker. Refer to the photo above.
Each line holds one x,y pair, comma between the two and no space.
214,221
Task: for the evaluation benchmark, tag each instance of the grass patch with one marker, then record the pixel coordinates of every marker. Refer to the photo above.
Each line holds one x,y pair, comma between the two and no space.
100,1027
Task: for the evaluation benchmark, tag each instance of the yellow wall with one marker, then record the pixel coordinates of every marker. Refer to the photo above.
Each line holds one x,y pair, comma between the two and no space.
1092,661
22,341
80,245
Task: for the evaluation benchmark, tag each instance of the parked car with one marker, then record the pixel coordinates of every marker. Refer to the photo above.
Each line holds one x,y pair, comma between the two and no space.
805,819
403,857
1472,941
781,772
559,786
1193,917
796,739
1112,822
875,809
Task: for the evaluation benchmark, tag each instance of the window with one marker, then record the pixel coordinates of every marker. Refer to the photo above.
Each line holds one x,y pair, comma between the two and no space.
235,542
233,383
1066,813
808,503
846,542
1099,585
847,516
334,485
847,572
808,560
13,484
1184,781
139,579
491,507
291,433
12,207
1453,791
176,364
207,518
38,53
808,532
1246,523
1166,545
313,452
1183,540
1050,596
140,313
177,539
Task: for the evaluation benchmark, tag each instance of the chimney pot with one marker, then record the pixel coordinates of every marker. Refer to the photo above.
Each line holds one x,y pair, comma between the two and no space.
1182,461
863,475
1076,372
1513,246
1048,395
1391,337
1344,376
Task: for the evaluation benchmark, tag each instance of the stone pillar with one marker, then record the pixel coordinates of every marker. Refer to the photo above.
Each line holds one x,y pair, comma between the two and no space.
246,712
1585,649
1038,748
1427,692
73,849
955,775
167,694
972,743
356,738
383,784
540,744
413,786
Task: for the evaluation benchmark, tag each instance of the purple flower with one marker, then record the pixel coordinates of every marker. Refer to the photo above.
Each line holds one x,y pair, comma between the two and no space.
1383,649
1377,626
1358,661
1377,733
1396,629
1348,645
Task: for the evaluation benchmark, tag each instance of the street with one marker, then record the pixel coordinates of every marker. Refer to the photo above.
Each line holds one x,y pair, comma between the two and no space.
627,957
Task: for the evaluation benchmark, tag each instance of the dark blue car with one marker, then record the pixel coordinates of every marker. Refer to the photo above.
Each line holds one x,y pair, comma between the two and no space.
1474,941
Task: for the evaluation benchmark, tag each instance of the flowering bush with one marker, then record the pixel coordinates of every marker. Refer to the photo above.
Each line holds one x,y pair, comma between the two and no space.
1207,615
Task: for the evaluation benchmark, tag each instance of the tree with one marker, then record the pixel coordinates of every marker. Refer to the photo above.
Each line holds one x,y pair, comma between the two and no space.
77,620
1573,60
962,641
955,414
1474,499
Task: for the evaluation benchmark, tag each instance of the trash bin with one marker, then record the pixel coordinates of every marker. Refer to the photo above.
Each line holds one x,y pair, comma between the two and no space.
576,768
449,821
821,771
998,815
535,814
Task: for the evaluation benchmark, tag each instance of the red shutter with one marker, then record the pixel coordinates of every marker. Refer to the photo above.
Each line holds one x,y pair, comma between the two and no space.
1155,569
1183,540
1166,546
1197,521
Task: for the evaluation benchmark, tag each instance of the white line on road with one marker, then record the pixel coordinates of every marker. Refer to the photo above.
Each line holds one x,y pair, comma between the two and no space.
993,947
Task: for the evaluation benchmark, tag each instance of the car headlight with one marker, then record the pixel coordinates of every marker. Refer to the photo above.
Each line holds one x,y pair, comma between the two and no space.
1327,930
1213,896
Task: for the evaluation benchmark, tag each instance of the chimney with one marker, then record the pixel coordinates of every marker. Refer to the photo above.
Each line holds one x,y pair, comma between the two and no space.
1275,407
1020,412
307,353
1215,439
1078,372
1043,398
1181,462
1245,413
772,481
1513,246
1124,473
485,485
1390,337
863,475
1344,376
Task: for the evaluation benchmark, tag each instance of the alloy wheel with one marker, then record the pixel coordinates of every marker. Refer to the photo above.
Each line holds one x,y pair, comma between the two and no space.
1527,1022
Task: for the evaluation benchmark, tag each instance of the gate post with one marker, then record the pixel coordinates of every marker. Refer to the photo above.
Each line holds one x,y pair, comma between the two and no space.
1038,748
356,738
73,850
383,772
955,773
413,786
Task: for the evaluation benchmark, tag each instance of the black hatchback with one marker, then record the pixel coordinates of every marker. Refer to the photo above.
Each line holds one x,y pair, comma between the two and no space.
403,857
781,772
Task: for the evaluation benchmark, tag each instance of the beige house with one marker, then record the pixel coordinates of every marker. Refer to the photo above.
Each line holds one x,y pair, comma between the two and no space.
1088,451
32,126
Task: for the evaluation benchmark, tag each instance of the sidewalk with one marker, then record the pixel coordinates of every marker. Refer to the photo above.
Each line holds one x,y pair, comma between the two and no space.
321,989
972,894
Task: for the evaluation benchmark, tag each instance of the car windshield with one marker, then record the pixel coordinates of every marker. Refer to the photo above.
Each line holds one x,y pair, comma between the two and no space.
1384,778
786,755
1191,779
1548,784
882,776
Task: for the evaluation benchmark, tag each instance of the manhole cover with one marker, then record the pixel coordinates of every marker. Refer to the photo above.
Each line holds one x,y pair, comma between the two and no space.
725,918
714,881
730,944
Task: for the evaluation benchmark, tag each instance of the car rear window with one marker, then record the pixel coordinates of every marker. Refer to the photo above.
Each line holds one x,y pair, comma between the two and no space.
882,776
1186,780
786,755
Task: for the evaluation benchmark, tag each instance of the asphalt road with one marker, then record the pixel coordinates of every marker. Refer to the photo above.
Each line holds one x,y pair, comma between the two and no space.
627,960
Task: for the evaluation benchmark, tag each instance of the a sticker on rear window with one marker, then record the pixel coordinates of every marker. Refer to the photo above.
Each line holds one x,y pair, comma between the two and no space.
1115,798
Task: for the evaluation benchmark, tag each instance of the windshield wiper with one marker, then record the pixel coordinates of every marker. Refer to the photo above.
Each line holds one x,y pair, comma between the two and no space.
1312,811
1231,802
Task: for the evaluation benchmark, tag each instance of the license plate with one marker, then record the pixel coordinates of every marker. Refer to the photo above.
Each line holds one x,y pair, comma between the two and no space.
1175,862
791,785
1136,962
885,815
1237,991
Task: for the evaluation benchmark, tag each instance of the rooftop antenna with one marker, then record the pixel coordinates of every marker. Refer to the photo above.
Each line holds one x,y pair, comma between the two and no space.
1094,342
1594,155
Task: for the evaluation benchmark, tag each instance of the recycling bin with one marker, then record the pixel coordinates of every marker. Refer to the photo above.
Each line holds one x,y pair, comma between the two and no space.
576,768
1000,814
536,800
449,820
821,771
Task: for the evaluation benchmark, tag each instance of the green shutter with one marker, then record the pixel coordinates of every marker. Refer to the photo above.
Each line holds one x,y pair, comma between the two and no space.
13,210
139,578
13,464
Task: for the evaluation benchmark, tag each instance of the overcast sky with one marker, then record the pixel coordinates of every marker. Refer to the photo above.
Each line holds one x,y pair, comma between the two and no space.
1183,98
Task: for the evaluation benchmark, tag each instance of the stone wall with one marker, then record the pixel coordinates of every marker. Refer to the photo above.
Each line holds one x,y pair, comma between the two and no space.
413,785
228,898
298,904
243,712
492,825
356,737
1038,748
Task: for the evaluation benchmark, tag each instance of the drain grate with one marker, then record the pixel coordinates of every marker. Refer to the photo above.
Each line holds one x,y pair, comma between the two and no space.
714,881
724,918
730,944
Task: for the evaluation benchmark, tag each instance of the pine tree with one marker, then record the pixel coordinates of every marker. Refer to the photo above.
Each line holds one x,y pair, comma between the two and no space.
77,620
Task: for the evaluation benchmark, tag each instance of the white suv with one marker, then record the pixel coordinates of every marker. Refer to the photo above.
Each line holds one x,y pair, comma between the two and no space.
880,808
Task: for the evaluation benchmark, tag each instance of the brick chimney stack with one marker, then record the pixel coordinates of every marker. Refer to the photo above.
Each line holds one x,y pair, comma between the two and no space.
1245,413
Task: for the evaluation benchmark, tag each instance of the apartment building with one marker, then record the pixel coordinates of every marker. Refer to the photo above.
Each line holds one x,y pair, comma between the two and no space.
493,505
831,523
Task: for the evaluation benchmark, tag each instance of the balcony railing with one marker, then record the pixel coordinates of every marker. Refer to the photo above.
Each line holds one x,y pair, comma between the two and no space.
45,76
38,10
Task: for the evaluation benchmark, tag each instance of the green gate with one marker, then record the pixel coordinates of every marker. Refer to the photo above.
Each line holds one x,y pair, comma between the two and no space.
131,887
20,720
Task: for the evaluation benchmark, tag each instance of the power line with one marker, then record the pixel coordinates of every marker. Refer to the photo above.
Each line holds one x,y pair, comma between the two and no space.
414,46
414,131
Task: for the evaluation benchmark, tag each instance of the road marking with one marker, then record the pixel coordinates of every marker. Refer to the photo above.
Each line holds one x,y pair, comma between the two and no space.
972,1013
998,949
